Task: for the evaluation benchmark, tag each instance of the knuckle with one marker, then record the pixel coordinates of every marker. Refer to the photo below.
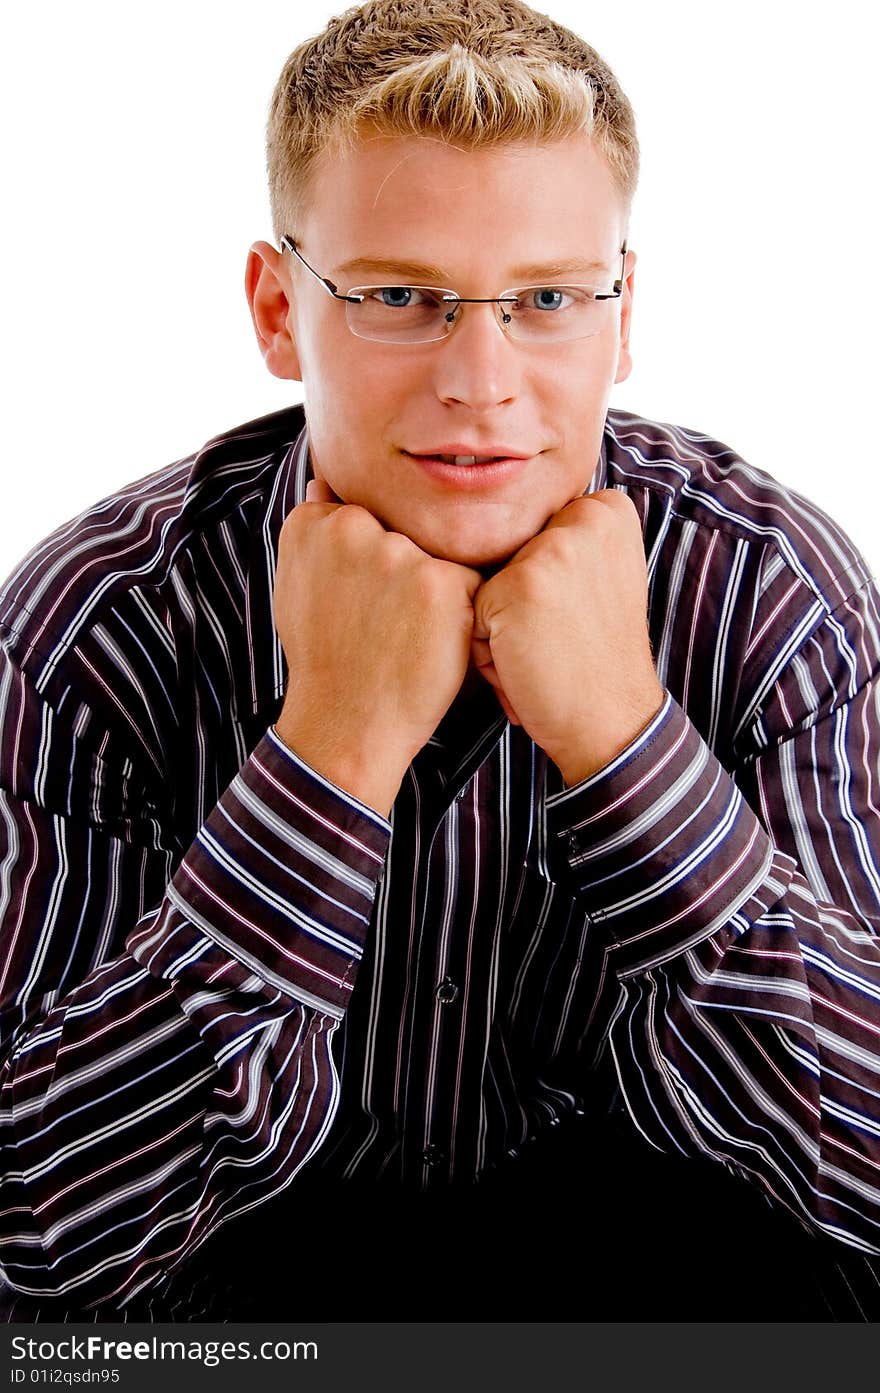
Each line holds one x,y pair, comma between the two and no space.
351,519
295,519
292,531
302,517
618,502
613,516
397,547
563,543
434,580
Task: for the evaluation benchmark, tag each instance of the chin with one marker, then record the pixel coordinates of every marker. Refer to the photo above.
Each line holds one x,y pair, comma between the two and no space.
479,555
479,547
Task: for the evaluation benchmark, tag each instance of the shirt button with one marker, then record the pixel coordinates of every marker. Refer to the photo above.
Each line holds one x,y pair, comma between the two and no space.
433,1156
447,991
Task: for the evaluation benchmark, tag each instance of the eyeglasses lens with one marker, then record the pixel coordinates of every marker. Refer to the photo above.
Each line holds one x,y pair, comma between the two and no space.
424,314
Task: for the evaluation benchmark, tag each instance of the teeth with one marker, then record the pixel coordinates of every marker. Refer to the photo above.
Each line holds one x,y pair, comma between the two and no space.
467,459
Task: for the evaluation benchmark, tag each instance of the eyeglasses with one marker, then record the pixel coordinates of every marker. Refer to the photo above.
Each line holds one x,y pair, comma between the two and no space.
427,313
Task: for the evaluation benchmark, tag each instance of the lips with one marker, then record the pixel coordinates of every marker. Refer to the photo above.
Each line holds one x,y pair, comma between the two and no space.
467,459
462,470
463,456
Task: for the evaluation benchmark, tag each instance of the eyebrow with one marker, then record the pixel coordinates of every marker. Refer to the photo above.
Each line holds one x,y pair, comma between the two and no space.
417,272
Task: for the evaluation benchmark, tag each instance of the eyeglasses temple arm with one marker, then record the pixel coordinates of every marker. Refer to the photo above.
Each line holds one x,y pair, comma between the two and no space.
617,289
288,244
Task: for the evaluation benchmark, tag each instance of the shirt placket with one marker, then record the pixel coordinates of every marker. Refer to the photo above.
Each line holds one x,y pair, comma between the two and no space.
446,967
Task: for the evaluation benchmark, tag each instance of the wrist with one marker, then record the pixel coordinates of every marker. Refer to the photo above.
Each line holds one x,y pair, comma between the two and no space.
606,740
364,769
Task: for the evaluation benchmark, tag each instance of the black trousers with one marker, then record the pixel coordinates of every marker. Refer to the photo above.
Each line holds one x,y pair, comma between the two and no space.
587,1224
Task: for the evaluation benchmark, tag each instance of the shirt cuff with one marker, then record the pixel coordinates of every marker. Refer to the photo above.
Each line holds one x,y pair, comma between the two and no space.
282,876
661,844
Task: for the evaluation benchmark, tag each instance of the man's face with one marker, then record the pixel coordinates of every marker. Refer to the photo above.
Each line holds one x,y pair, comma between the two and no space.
484,221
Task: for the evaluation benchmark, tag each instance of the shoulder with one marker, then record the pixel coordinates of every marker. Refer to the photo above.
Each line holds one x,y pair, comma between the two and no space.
704,482
135,538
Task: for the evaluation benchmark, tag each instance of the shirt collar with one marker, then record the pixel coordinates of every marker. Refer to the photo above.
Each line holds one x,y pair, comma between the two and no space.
600,473
268,675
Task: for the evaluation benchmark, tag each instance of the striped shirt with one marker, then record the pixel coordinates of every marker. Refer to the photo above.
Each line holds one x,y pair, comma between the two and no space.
218,969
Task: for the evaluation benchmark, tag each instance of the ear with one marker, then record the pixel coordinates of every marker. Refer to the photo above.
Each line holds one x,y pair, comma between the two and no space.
624,357
267,286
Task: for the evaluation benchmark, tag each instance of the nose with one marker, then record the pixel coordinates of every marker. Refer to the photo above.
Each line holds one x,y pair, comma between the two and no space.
477,365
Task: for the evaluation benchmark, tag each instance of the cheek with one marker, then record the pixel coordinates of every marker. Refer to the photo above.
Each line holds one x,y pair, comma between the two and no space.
330,357
575,376
346,377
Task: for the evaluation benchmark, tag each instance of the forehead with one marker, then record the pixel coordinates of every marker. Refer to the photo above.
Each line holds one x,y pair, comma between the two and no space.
473,210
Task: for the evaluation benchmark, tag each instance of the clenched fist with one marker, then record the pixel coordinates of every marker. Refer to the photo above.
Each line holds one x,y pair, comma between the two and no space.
562,634
377,637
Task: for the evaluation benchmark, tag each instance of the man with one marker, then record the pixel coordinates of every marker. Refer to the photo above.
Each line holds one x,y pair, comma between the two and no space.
475,925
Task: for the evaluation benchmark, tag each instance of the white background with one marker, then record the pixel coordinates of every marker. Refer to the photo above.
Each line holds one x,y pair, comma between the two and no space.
134,184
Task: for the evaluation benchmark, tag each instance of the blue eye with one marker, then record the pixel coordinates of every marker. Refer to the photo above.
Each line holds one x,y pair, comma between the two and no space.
396,296
548,299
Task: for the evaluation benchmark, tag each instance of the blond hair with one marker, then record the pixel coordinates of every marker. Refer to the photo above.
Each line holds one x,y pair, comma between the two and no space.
473,72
